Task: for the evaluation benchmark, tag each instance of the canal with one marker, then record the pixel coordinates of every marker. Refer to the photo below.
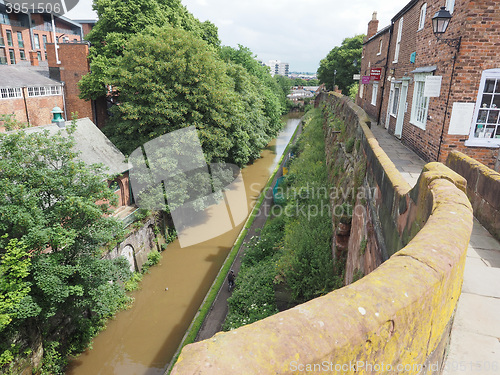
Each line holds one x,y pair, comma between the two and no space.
144,338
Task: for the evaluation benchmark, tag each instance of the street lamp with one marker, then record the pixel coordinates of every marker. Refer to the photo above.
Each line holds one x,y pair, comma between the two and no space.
440,23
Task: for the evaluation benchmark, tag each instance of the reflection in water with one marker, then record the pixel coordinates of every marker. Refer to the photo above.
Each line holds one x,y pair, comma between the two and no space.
144,338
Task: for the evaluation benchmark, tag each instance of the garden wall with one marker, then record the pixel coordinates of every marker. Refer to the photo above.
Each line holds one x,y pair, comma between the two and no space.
483,187
395,318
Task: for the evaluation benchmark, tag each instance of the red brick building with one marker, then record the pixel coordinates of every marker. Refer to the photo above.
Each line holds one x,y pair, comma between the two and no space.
73,63
24,36
437,95
29,94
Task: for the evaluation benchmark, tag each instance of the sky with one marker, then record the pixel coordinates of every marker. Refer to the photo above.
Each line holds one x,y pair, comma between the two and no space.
299,32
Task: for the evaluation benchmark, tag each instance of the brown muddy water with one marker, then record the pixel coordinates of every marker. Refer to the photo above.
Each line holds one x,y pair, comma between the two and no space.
144,338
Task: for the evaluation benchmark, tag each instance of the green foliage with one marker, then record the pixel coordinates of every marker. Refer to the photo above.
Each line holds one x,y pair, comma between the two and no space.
349,145
53,363
154,258
358,275
346,60
119,20
307,264
53,279
353,91
133,283
253,296
362,246
14,288
11,123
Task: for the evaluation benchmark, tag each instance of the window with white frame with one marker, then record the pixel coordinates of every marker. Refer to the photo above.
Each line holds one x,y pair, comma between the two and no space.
421,23
394,103
420,105
10,93
398,40
486,126
44,90
374,93
379,48
36,41
450,5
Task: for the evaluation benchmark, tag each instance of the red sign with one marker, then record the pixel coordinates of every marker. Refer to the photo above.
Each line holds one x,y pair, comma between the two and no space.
375,73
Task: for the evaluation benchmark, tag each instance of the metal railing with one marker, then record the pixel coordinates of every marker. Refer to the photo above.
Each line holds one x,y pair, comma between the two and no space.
13,23
58,30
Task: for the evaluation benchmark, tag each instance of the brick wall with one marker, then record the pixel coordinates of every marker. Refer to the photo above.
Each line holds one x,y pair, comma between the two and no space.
37,109
74,64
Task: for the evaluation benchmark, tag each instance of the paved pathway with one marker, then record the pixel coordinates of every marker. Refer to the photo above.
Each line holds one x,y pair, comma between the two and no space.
475,335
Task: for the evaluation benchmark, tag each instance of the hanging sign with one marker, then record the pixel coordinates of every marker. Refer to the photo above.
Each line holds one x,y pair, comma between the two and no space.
356,77
375,73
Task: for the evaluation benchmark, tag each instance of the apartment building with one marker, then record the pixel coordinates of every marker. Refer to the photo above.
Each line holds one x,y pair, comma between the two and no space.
24,36
436,92
279,68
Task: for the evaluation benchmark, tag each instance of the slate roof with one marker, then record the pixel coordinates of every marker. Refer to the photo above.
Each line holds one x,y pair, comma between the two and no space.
22,76
92,145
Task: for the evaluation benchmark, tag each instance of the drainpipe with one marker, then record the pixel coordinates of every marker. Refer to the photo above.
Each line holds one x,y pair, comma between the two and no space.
31,32
385,73
26,104
64,100
448,98
56,47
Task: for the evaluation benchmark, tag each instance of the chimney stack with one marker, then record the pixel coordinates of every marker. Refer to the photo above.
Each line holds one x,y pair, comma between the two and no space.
372,26
33,58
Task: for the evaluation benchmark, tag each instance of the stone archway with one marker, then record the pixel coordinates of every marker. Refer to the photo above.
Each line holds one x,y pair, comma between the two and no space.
129,254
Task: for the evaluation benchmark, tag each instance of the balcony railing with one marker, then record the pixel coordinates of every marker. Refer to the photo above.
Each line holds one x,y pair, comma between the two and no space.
58,30
13,22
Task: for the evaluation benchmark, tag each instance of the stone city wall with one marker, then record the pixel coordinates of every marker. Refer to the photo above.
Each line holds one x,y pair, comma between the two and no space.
483,187
396,318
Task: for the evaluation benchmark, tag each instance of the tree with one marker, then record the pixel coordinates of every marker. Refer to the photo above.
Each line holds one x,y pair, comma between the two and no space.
118,21
54,209
169,79
274,99
341,64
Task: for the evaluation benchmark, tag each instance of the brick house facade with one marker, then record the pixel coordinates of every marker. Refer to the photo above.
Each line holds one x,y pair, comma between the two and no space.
463,112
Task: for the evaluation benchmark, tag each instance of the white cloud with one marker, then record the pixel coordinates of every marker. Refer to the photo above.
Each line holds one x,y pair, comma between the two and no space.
300,32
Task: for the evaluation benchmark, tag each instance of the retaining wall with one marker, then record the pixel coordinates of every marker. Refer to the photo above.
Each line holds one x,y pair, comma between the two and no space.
138,244
397,315
483,189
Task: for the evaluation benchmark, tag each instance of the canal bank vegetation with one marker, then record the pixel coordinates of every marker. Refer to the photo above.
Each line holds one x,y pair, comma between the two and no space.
292,257
56,290
219,282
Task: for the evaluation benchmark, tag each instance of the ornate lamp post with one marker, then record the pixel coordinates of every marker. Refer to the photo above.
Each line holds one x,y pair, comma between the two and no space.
440,23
